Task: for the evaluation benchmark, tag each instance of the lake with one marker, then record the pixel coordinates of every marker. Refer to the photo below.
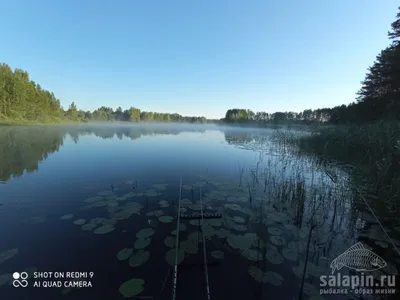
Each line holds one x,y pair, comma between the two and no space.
102,201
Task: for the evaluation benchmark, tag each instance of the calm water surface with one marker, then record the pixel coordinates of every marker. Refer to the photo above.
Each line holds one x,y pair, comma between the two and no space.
104,200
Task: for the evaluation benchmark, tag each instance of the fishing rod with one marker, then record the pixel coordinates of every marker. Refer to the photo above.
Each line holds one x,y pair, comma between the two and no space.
177,243
204,248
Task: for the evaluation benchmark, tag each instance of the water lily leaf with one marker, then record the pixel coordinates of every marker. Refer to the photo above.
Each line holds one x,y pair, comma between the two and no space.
277,240
124,253
194,222
196,206
163,203
290,254
88,227
104,229
170,241
273,278
242,242
252,254
165,219
7,254
217,254
298,271
275,231
238,219
6,279
139,258
222,233
113,204
160,187
233,207
79,221
93,199
98,204
156,213
186,187
310,290
185,202
152,193
256,273
291,227
382,244
171,254
274,257
142,243
66,217
144,233
239,227
132,287
105,193
215,222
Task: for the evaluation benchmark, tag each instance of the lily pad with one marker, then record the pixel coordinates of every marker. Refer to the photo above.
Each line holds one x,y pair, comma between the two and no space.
79,221
142,243
217,254
7,254
170,242
152,193
93,199
66,217
273,278
105,193
310,290
274,231
88,227
104,229
222,233
277,240
163,203
132,287
252,254
156,213
238,219
274,257
139,258
124,253
145,233
256,273
6,279
242,242
171,254
290,254
160,187
165,219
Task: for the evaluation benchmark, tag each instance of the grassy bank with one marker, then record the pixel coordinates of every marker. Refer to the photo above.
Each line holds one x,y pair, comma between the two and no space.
373,149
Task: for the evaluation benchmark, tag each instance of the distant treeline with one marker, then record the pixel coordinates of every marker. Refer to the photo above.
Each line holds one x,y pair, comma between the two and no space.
23,100
378,98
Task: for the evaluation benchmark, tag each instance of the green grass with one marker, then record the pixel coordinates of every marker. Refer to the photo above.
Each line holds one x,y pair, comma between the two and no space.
373,149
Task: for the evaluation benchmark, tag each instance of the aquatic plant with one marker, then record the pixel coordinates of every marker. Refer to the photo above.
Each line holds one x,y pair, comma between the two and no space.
132,287
165,219
145,233
139,258
142,243
124,253
104,229
7,254
217,254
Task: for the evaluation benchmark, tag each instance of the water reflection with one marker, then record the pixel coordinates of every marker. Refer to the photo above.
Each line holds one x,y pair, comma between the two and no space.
285,217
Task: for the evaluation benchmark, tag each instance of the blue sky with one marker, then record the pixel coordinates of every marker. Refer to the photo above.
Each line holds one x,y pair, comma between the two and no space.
196,57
